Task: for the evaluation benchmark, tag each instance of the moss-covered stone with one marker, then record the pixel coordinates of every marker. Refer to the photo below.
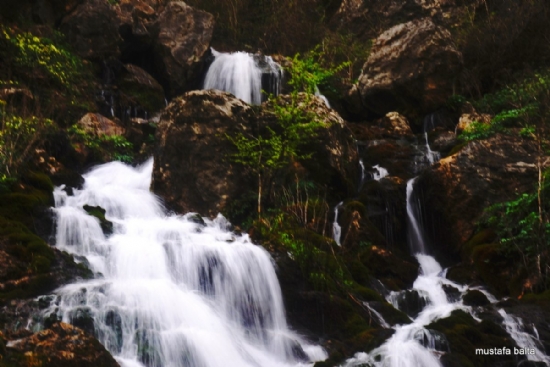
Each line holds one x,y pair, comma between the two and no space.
480,238
99,213
475,298
465,335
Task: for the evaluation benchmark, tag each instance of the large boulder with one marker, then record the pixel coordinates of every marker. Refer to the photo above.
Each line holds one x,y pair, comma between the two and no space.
461,186
193,168
411,70
135,16
184,35
92,30
139,89
191,172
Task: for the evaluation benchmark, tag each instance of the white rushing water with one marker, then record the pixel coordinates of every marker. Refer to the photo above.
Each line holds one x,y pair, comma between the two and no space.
241,74
379,172
171,291
414,224
336,228
413,345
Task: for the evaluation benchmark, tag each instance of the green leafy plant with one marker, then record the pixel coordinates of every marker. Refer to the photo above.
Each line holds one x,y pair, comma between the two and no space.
44,54
18,137
270,148
115,147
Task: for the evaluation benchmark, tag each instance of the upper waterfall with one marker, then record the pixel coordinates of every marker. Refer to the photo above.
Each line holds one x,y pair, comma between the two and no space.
244,75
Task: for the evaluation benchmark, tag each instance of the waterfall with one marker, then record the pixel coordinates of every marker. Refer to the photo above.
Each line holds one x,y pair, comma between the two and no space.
413,345
415,231
336,229
431,156
379,172
170,290
244,75
318,94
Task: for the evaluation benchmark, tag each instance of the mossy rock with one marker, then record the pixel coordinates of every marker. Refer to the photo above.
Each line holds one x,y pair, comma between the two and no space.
493,267
99,213
475,298
461,273
537,297
457,148
34,286
482,237
38,180
68,178
394,271
465,335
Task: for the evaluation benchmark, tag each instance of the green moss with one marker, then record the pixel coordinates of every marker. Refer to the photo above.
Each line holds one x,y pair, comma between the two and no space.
37,285
475,298
99,213
533,297
457,148
40,264
482,237
38,180
465,335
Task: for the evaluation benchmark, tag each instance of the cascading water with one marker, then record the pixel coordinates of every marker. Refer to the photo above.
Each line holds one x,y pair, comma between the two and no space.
379,172
244,75
413,345
336,228
414,227
170,291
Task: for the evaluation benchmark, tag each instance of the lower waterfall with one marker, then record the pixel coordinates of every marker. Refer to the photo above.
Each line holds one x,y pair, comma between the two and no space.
413,345
170,290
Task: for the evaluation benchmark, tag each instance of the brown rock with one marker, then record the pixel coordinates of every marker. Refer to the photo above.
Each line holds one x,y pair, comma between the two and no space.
92,30
184,35
484,172
62,345
141,89
410,70
395,124
469,115
192,148
192,143
97,125
136,18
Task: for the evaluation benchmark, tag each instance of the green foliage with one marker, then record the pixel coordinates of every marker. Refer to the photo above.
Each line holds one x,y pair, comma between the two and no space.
55,82
517,105
308,73
112,147
43,53
271,148
523,227
18,137
479,130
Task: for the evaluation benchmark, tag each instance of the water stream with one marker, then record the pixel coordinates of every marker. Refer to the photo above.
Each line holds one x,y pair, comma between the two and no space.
169,290
413,345
244,75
